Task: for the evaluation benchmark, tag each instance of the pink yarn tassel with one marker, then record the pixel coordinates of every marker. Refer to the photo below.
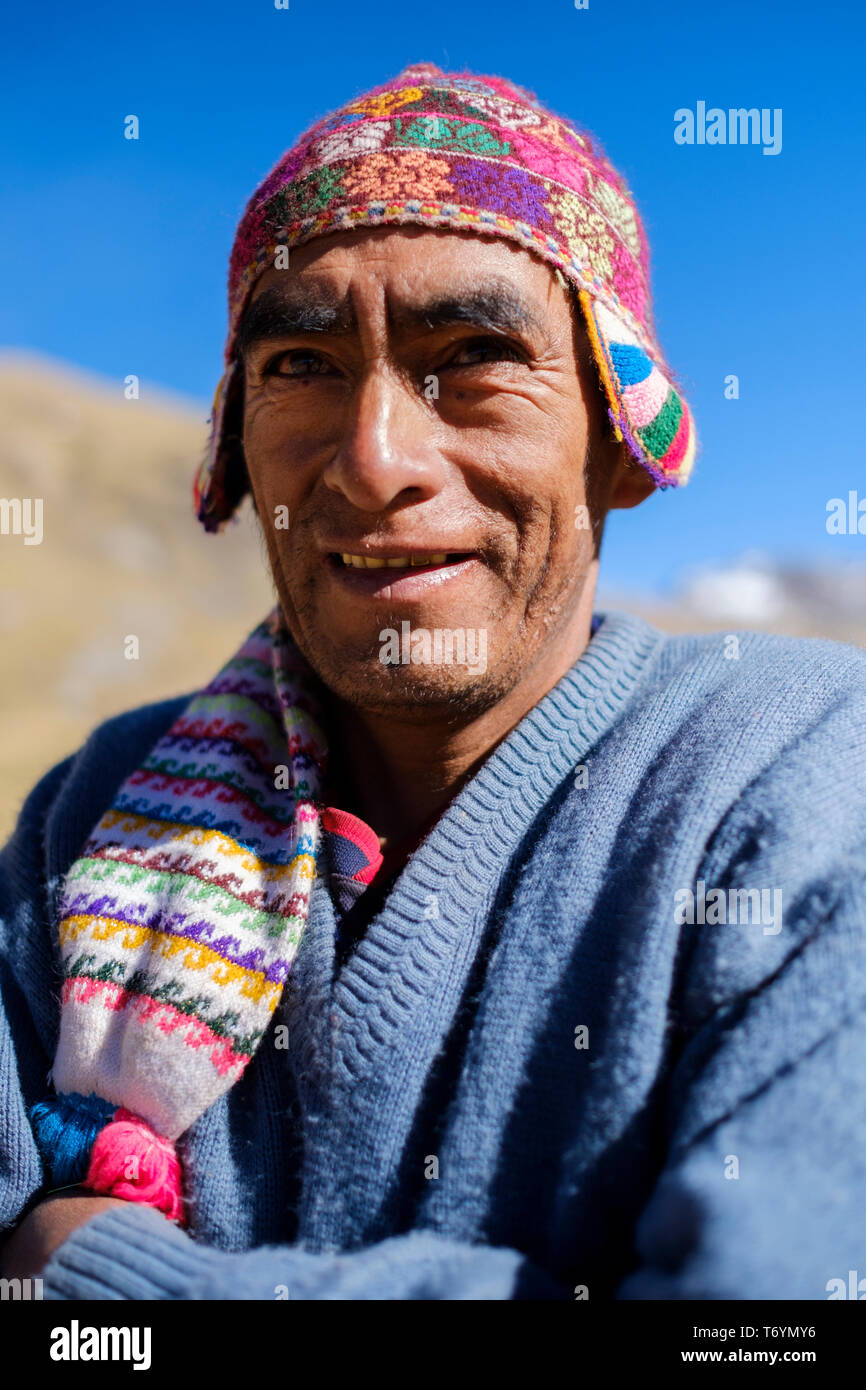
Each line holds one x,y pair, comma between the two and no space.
131,1161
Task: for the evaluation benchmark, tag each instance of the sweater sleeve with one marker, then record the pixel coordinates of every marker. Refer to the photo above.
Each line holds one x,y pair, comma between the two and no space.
28,988
134,1253
768,1202
762,1193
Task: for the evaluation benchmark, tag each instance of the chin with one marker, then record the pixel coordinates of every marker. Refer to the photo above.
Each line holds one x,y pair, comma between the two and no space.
414,693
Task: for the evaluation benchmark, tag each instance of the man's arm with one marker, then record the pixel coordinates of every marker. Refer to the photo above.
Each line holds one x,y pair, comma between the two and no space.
135,1253
762,1192
763,1188
25,1249
770,1201
762,1195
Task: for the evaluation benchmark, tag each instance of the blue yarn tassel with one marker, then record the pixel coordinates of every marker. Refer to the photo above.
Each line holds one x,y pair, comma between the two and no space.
66,1128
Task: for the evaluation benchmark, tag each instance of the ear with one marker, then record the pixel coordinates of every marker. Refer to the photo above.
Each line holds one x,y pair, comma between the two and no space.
630,484
233,458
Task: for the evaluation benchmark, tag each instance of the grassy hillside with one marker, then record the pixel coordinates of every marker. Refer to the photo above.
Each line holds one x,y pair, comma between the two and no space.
122,554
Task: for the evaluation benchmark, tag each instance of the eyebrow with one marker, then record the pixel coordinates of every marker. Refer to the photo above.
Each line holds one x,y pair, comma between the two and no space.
284,312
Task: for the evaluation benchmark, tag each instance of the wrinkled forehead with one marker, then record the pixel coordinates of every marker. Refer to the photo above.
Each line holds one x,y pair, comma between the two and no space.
426,278
423,280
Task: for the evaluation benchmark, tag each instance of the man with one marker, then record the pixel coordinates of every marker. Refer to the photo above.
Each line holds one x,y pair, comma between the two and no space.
454,942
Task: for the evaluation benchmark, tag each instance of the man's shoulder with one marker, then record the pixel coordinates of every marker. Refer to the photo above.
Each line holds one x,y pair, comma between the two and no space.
762,672
724,707
125,737
773,652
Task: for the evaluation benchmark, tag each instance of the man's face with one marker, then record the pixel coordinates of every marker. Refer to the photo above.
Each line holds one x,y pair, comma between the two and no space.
415,411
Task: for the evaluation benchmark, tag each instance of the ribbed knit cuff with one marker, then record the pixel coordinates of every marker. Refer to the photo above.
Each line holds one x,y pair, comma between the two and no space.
132,1252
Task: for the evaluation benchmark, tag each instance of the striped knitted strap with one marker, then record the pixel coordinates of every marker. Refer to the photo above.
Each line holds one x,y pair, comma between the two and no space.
179,924
646,409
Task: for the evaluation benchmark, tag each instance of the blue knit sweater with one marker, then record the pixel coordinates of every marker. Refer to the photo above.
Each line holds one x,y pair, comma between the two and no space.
534,1076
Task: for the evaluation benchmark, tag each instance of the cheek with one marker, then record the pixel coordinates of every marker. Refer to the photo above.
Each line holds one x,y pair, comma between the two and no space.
549,495
278,452
558,538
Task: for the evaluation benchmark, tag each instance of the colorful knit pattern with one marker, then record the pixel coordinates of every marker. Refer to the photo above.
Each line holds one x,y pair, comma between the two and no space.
645,409
180,921
472,153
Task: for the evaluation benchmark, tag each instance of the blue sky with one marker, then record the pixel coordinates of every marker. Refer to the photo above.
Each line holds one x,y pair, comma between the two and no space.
114,252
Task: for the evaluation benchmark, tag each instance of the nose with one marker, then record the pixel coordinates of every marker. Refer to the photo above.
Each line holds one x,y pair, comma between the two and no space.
387,451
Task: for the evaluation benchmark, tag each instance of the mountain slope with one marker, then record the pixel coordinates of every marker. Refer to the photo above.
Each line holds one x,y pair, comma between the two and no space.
121,555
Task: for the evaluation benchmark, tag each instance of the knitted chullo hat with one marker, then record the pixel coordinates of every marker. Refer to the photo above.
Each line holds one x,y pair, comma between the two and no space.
455,150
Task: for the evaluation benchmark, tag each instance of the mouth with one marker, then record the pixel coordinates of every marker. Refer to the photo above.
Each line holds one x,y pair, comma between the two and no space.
399,576
400,562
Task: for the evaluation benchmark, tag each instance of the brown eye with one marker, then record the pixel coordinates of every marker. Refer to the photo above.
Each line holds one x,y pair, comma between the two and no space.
482,350
300,362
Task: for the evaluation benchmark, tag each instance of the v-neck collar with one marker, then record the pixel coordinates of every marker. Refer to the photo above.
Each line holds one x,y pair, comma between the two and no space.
430,923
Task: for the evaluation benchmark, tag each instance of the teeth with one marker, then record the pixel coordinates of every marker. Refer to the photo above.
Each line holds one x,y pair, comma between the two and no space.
369,562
